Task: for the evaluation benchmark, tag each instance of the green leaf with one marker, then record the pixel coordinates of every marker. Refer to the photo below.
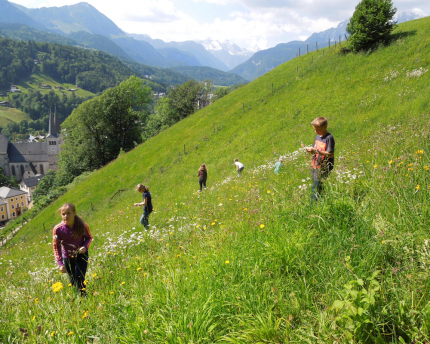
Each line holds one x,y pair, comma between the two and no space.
360,281
338,304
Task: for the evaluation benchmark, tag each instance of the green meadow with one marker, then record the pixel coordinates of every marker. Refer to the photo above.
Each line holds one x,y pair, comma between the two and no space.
248,260
9,115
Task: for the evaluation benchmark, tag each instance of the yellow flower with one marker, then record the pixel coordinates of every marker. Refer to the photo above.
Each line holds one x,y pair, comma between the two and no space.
85,282
262,226
85,314
197,226
417,187
69,285
420,151
53,333
111,292
144,275
426,168
213,224
390,162
70,333
122,283
375,166
36,300
227,262
245,208
33,318
57,286
138,269
410,169
268,191
94,275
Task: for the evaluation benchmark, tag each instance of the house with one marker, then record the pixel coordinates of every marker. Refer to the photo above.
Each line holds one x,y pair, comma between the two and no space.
46,87
14,89
29,185
12,201
6,104
36,61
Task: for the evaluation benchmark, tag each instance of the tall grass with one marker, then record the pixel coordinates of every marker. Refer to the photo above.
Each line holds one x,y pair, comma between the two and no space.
248,260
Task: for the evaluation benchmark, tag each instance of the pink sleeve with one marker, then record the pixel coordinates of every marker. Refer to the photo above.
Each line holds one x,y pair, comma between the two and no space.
57,246
88,237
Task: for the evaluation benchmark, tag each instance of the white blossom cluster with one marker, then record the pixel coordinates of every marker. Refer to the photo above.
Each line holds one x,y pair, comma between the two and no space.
391,75
416,73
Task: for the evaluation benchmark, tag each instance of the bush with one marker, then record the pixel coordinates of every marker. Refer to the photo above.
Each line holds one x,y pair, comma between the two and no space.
370,24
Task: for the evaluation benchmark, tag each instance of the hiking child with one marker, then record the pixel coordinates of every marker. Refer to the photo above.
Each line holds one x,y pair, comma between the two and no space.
147,204
239,167
203,176
279,166
323,156
72,238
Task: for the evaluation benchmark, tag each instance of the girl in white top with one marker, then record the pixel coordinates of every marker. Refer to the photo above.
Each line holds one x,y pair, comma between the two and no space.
239,166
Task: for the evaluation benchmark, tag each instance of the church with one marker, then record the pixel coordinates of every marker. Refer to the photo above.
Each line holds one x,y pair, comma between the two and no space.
26,160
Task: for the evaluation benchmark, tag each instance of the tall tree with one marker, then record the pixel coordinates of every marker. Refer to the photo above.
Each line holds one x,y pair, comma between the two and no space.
371,24
96,131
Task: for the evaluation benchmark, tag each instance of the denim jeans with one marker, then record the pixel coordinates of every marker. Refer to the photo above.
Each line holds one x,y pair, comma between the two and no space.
202,182
144,220
316,191
76,269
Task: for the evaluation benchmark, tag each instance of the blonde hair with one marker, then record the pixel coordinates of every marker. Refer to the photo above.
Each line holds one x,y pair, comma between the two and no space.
78,224
203,167
140,187
320,122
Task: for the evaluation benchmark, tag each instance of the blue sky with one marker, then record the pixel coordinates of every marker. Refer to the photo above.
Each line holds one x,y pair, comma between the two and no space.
248,23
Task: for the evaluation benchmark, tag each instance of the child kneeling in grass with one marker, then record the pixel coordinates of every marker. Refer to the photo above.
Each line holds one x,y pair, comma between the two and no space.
239,167
147,204
72,238
323,156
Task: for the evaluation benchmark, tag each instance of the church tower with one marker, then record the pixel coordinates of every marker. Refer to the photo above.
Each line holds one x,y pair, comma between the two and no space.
53,139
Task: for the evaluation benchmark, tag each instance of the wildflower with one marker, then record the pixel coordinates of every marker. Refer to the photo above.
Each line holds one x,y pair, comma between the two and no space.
70,333
94,275
85,282
390,162
122,283
144,275
245,208
227,262
213,224
420,151
426,168
34,317
53,333
111,292
139,268
375,166
410,169
268,191
197,226
262,226
36,300
69,285
85,314
418,187
57,286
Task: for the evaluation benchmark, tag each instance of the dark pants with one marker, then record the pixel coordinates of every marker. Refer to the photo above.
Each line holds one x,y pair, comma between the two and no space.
317,189
144,220
202,182
76,269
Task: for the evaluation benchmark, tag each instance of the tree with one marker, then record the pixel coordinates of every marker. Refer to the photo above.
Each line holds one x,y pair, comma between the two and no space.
370,24
3,179
98,128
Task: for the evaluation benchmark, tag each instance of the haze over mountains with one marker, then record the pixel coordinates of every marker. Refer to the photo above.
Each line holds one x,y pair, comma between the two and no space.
84,25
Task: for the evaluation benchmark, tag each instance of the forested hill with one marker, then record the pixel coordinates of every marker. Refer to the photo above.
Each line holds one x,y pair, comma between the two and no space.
217,76
91,70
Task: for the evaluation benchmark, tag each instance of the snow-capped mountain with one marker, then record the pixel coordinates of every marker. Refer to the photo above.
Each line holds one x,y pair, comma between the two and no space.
228,52
416,13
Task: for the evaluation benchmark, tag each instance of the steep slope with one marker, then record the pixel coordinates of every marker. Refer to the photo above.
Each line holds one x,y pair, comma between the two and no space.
204,73
13,15
25,33
248,260
180,56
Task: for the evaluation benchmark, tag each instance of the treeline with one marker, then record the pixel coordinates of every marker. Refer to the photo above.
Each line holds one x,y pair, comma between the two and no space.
94,71
38,106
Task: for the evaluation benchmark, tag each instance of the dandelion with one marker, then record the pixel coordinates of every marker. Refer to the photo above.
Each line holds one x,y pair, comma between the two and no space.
375,166
69,285
227,262
419,151
144,275
57,287
426,168
262,226
268,191
122,283
34,317
94,275
53,333
111,292
85,315
70,333
391,161
139,268
418,187
245,208
213,224
36,300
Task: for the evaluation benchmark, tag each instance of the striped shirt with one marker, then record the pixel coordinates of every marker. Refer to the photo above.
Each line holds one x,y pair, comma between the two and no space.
65,245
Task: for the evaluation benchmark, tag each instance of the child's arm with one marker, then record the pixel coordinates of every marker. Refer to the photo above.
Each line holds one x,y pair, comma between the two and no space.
88,239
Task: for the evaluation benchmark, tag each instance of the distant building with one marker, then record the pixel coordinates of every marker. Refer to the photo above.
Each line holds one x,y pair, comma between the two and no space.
29,185
12,201
26,160
36,61
46,87
14,89
6,104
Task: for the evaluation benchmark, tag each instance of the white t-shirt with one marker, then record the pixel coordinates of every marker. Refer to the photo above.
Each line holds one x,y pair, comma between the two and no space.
239,164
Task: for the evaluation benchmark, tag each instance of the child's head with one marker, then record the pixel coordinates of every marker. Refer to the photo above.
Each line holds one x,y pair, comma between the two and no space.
320,125
236,160
68,214
141,188
203,167
281,159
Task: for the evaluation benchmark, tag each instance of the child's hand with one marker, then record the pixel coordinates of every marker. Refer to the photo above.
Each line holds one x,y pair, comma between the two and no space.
310,150
63,269
138,204
83,249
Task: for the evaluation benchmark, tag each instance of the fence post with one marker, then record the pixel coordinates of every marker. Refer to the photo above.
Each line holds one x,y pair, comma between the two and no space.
272,88
329,43
151,172
312,58
44,227
243,107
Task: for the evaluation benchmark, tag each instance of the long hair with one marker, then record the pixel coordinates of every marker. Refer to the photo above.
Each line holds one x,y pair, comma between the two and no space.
203,167
79,224
140,187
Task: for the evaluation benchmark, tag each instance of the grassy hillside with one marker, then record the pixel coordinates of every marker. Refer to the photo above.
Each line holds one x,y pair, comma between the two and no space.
248,260
8,115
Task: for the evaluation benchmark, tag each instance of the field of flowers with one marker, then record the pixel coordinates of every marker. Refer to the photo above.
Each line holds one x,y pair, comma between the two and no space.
248,260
